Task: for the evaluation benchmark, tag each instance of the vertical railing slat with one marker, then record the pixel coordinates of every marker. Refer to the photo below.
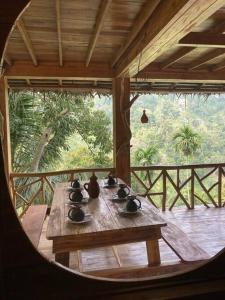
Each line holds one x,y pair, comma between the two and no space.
219,186
164,191
192,188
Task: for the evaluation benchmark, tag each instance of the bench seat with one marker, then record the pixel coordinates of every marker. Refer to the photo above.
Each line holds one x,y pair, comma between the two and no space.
33,222
180,243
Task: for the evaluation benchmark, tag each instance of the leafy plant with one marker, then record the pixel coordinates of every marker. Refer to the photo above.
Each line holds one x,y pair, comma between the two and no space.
146,157
187,141
41,124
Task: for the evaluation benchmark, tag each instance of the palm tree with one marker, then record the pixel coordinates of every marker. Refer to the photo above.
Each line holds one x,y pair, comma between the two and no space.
187,141
146,157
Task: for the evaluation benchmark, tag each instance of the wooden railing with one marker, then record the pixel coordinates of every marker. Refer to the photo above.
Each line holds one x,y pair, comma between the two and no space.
187,184
29,188
165,186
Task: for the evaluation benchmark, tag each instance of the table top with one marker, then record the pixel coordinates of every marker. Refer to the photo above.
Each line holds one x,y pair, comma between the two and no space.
104,212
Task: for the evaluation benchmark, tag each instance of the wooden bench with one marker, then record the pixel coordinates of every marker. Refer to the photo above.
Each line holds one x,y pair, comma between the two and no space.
33,222
179,242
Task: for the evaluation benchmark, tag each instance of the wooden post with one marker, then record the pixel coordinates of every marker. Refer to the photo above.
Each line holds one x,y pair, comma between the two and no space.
121,128
220,186
153,253
164,191
5,131
192,189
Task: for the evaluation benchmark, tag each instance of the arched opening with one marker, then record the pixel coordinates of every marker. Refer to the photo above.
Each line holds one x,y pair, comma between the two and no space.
52,271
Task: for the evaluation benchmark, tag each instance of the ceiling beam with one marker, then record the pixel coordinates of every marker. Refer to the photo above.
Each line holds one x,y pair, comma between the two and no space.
8,60
206,58
27,41
139,22
176,57
218,67
182,52
98,26
58,21
202,39
169,23
68,71
181,75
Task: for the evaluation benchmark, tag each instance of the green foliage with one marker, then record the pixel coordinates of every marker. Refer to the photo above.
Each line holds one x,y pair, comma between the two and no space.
146,157
167,114
41,124
187,141
23,129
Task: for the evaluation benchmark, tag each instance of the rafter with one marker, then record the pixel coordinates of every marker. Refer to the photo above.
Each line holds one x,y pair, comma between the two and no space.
58,21
27,41
98,26
218,28
169,23
7,59
207,58
201,39
176,57
218,67
142,17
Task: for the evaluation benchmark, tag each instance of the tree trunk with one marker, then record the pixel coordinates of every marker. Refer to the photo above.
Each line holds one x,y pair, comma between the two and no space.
40,149
43,142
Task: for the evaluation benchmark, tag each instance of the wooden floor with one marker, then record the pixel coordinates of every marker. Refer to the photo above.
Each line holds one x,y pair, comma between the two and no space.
205,226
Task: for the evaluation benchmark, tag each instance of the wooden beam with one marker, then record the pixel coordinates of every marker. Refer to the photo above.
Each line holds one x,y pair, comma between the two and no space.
98,26
176,57
143,271
58,21
68,71
139,22
4,111
206,40
27,41
8,60
169,23
182,75
218,67
206,58
218,28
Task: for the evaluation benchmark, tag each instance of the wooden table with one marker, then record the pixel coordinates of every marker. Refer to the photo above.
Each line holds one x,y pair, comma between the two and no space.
108,227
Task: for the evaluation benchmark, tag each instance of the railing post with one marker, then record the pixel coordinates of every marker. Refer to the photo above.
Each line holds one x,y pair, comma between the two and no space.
192,188
164,191
219,186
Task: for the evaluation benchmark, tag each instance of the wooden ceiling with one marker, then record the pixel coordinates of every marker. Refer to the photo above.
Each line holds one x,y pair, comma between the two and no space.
166,41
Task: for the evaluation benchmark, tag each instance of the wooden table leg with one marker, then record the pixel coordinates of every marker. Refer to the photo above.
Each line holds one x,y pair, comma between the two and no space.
63,258
153,253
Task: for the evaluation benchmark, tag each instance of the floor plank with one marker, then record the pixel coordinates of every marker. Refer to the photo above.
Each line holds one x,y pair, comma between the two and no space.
205,226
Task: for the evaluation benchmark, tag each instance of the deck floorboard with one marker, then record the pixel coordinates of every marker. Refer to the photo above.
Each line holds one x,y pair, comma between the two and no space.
205,226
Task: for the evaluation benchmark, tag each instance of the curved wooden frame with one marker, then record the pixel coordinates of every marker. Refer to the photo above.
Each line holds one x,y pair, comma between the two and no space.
25,273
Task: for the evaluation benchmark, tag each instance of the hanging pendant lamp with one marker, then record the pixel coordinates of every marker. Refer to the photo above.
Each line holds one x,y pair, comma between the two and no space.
144,118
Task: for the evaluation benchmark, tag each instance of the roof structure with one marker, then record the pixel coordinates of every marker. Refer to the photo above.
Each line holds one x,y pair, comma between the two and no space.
163,46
